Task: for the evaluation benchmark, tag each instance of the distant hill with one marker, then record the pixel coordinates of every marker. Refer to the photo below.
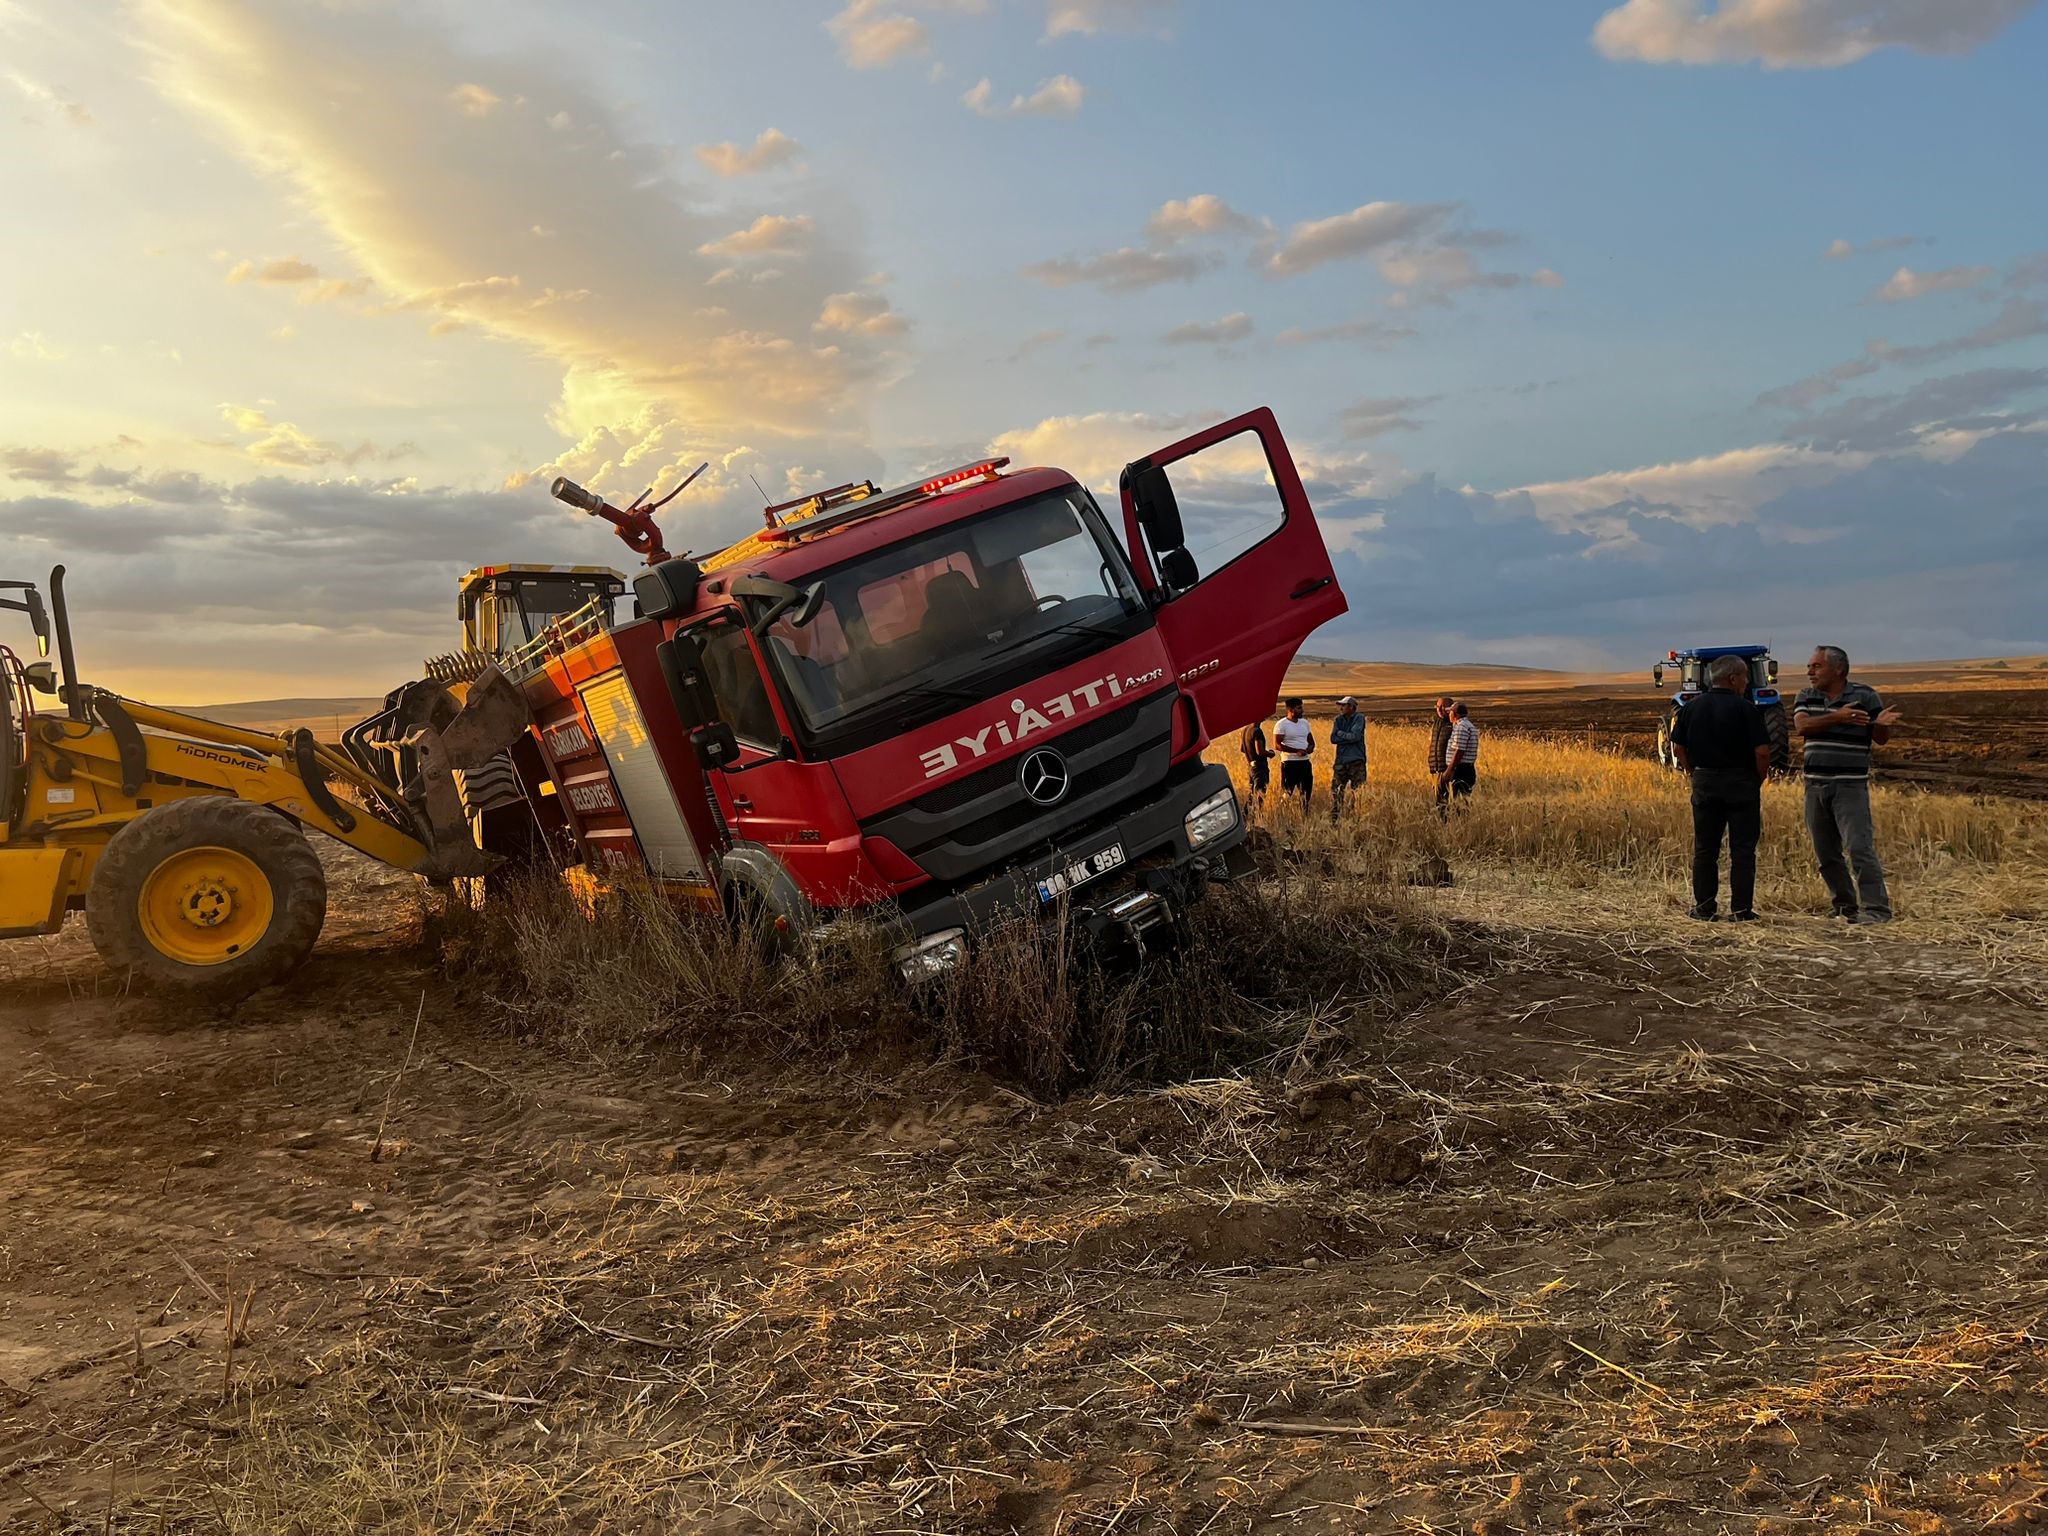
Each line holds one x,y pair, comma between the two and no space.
287,714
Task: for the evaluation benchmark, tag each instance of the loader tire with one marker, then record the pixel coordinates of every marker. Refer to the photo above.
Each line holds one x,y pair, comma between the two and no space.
210,897
1780,732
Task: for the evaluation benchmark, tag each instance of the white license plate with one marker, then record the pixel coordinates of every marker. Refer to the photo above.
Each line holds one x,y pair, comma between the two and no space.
1080,872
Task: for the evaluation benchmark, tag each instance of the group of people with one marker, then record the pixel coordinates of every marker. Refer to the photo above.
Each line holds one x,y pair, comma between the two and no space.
1723,745
1453,754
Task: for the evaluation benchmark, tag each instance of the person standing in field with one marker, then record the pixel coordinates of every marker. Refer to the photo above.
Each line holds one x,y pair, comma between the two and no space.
1296,741
1721,741
1461,760
1440,736
1347,735
1839,721
1258,761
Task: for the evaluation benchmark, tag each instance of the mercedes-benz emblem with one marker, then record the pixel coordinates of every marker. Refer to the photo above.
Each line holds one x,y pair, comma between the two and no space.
1044,778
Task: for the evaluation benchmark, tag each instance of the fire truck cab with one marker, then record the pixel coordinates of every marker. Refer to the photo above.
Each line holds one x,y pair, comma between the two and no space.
959,698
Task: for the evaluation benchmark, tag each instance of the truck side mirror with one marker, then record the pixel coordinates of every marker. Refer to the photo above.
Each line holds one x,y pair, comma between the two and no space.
1158,510
689,690
41,675
715,745
1657,674
39,621
1771,669
668,590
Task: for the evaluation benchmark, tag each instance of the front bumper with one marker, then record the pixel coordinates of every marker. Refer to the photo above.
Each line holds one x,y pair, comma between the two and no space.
1159,865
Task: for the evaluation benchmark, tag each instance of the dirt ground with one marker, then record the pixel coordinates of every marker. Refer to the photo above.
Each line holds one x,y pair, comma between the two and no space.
1723,1230
1962,734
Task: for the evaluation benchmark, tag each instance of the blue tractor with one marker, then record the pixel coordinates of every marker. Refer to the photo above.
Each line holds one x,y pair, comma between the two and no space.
1691,666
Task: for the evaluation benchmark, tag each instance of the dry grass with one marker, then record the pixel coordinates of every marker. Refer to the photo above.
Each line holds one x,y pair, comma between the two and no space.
1563,820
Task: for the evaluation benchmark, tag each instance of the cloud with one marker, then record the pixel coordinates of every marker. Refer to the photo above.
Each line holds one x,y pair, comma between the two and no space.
1200,215
1429,274
1626,573
1060,96
283,444
1387,413
1365,229
1210,332
860,314
1127,270
284,270
1842,249
1094,447
772,234
1906,284
2017,320
450,234
1373,334
1960,403
1088,17
38,466
474,100
41,96
1796,34
873,34
773,148
34,347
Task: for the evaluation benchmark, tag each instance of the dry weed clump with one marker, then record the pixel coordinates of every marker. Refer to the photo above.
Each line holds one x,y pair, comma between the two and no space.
629,968
1256,969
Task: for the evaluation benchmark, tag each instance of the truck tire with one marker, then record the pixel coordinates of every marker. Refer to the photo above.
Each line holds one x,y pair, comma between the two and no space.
1780,732
209,897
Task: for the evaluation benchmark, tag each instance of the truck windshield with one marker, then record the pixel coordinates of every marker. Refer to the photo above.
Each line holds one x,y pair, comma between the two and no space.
527,606
937,622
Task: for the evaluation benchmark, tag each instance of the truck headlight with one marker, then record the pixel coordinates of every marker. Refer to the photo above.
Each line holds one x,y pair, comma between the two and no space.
932,957
1211,819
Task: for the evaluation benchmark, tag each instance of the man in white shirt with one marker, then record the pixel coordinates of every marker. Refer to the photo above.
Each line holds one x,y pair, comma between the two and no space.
1294,741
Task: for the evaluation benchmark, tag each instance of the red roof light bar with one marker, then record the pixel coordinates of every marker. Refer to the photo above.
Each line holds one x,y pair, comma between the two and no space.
965,472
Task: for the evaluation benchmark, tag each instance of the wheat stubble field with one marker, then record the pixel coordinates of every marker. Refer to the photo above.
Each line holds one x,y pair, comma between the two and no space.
1516,1205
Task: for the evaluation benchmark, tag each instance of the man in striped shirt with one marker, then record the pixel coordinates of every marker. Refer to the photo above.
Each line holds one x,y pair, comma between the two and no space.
1839,721
1461,760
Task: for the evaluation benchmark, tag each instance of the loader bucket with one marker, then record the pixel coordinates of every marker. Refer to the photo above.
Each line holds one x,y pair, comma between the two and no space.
492,718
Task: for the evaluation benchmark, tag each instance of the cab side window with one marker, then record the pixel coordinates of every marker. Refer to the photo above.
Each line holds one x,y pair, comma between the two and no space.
736,682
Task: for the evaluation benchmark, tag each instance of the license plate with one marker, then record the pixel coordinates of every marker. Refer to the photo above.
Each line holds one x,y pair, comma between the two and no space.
1080,872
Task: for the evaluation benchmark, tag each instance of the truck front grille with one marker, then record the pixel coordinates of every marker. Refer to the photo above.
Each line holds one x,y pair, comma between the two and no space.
975,821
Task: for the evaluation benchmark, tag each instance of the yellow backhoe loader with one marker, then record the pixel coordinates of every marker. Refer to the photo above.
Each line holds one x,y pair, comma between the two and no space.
182,839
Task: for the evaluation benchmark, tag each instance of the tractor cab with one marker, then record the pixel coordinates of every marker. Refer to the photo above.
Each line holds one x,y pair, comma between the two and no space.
1693,665
506,607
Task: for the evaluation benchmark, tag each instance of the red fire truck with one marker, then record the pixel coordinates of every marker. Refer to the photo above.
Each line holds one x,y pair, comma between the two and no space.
944,702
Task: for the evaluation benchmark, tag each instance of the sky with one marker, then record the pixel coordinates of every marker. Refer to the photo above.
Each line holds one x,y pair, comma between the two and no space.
1596,328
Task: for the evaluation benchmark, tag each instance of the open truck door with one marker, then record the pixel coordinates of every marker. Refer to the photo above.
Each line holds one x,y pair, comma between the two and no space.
1228,551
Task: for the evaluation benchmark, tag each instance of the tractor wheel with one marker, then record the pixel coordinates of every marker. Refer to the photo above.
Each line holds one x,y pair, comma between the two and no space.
207,897
1780,732
1667,754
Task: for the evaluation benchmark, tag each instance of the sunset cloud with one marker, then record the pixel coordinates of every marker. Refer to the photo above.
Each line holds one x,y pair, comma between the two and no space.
451,232
1060,96
1210,332
1796,34
1368,228
1906,284
1087,17
773,148
1122,271
1203,214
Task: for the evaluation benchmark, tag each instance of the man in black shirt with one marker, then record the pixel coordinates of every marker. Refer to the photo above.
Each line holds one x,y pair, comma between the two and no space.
1722,742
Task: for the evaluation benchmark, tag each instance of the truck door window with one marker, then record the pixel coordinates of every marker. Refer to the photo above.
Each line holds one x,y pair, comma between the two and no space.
737,684
1229,505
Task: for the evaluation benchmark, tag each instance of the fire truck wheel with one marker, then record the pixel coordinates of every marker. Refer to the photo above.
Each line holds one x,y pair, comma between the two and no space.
208,897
